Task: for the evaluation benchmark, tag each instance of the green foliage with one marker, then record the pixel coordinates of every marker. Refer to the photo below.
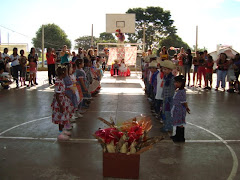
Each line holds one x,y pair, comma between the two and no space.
158,24
199,49
173,40
85,42
54,37
106,38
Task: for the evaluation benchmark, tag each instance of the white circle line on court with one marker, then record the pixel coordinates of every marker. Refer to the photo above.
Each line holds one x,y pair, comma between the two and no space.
23,124
234,156
95,140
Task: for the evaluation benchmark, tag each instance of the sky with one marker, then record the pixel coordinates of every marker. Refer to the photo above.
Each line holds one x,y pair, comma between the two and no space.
218,21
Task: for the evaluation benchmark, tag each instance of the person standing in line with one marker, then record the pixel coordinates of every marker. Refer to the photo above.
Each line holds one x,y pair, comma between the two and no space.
158,88
34,56
23,63
51,65
62,108
222,67
187,64
16,68
167,94
179,109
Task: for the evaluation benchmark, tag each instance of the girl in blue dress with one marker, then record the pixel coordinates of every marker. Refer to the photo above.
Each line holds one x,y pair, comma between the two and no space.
179,109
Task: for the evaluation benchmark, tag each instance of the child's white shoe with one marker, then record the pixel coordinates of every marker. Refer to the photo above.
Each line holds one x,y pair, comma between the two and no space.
63,137
67,133
73,116
79,115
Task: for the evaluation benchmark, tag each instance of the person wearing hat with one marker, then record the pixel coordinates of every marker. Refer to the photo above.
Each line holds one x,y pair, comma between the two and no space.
153,69
157,83
148,76
167,94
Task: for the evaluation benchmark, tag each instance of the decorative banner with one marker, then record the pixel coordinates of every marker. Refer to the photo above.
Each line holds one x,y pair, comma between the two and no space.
129,54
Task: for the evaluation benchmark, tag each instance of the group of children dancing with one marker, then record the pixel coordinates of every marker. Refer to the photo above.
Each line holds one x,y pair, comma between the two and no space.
75,85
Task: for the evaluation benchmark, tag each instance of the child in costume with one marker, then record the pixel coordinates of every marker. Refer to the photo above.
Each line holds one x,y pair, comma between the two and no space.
62,107
179,109
168,92
81,80
72,93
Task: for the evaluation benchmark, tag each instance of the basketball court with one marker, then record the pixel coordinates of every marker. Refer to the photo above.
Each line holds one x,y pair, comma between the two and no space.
29,150
28,140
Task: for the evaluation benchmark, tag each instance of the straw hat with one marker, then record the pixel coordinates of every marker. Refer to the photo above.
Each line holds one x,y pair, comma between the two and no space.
167,64
153,64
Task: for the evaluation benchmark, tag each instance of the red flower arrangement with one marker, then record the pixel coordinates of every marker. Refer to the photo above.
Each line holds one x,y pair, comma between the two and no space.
120,35
130,137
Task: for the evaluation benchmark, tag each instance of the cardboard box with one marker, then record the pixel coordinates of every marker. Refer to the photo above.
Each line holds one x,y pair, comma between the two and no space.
119,165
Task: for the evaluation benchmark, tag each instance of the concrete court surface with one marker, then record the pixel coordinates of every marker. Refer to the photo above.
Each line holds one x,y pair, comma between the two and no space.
29,150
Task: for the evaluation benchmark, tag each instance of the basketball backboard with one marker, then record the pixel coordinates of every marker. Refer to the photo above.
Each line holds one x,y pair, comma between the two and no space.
124,22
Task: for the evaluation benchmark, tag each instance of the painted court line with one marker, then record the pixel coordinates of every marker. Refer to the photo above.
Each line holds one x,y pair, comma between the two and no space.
40,119
234,156
95,140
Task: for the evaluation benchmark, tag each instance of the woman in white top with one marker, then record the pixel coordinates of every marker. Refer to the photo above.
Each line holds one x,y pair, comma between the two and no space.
16,68
123,67
6,60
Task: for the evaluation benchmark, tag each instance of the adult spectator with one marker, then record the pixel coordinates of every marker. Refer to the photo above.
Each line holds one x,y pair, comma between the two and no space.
51,65
33,56
181,57
74,57
187,64
80,53
6,60
164,54
222,67
16,68
64,54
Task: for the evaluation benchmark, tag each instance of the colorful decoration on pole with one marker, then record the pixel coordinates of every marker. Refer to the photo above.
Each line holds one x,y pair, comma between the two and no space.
120,35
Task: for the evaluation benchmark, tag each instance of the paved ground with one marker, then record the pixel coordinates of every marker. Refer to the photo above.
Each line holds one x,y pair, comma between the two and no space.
28,147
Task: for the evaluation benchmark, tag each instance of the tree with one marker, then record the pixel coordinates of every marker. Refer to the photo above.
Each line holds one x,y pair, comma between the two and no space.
158,24
173,40
107,37
85,42
54,37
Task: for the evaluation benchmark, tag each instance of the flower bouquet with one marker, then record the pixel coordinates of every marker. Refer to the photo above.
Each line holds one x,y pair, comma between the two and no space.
123,144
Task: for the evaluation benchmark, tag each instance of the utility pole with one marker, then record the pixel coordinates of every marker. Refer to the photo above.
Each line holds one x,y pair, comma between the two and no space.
144,37
196,47
42,45
92,37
